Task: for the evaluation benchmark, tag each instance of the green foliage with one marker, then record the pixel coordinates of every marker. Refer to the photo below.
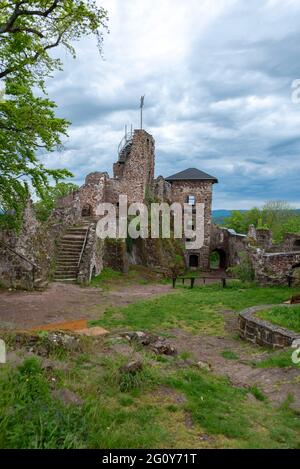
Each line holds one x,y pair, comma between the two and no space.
176,266
229,355
49,198
283,316
29,30
281,359
278,216
244,271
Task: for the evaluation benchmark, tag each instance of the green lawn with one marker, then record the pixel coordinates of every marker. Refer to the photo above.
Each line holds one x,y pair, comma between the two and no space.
197,310
288,318
118,412
165,405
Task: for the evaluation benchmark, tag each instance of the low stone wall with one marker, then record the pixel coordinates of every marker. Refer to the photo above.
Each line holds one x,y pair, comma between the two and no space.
262,332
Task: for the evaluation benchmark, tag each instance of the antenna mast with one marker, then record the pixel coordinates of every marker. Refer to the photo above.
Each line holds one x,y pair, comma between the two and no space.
141,107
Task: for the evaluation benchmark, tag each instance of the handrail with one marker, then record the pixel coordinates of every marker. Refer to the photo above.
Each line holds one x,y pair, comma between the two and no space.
128,137
18,254
83,246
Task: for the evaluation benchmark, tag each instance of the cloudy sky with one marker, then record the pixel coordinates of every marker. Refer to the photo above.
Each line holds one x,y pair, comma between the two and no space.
217,77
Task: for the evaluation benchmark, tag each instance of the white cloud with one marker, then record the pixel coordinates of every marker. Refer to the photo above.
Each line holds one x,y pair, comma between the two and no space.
217,77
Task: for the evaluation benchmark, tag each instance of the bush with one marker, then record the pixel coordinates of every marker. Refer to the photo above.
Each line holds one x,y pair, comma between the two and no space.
244,271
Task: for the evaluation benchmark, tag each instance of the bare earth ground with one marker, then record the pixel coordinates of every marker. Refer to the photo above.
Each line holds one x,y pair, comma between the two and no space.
63,302
276,383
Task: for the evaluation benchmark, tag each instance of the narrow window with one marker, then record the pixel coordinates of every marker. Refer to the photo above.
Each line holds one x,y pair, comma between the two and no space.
191,200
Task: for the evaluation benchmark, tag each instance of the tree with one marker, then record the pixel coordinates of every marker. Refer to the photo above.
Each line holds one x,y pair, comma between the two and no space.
50,197
276,215
29,31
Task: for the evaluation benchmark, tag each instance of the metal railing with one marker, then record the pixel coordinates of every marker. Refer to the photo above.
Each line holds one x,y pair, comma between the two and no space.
126,140
34,266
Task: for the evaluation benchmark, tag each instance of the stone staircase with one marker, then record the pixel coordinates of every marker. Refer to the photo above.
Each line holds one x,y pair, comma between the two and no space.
70,248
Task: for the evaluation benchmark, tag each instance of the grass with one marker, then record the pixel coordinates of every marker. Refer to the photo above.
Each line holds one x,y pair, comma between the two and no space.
229,355
111,279
129,411
198,310
281,359
134,415
287,317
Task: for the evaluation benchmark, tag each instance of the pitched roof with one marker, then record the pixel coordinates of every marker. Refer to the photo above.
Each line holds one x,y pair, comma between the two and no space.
191,174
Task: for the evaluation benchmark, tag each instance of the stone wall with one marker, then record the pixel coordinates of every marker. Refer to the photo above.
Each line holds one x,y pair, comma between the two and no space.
92,260
263,333
273,268
137,172
34,242
202,190
228,243
115,255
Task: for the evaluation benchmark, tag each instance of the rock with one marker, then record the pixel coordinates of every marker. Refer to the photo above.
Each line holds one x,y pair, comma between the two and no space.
132,367
203,365
67,397
162,347
158,345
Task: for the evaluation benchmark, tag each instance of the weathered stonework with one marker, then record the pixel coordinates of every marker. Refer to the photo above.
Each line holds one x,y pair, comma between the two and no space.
202,190
115,255
92,260
35,244
262,332
274,268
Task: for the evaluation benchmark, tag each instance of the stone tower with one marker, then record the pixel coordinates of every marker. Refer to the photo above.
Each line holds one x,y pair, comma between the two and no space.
134,169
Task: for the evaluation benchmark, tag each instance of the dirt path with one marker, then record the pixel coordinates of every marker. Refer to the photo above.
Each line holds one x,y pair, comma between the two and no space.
63,302
276,383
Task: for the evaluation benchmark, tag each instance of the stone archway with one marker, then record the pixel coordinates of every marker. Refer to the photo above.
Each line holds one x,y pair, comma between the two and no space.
218,259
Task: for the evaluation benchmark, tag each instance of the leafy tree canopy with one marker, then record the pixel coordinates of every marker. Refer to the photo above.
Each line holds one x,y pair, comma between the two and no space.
29,31
276,215
47,203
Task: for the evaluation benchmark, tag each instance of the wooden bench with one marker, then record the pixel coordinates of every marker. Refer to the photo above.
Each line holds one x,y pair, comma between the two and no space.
204,278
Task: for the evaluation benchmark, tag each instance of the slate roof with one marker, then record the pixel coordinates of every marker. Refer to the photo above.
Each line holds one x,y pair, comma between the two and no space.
192,174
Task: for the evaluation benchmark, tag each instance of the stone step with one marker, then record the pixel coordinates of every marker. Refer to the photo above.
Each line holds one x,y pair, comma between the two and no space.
66,268
70,248
65,275
71,237
65,280
67,261
77,230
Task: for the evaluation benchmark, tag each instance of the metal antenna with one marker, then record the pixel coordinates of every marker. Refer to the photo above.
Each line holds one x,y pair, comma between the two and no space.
141,107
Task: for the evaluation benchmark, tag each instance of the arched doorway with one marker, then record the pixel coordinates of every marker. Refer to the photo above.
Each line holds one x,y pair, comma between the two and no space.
193,260
218,259
86,210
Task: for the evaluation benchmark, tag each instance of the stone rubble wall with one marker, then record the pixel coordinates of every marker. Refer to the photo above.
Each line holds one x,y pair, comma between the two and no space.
35,244
273,268
92,260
